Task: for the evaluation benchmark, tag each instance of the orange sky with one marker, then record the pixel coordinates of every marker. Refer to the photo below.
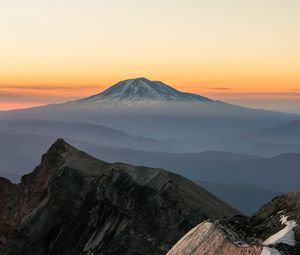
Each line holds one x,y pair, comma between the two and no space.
245,52
280,97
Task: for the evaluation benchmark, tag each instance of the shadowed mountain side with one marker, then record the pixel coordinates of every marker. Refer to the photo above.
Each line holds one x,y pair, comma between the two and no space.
73,204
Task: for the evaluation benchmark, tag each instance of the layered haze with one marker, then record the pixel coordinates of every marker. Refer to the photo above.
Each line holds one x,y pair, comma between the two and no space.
227,148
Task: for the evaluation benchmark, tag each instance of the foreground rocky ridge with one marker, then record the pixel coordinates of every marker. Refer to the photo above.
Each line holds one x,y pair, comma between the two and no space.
273,230
74,204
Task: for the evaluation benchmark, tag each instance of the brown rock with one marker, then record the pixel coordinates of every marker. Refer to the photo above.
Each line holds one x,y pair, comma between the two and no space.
207,239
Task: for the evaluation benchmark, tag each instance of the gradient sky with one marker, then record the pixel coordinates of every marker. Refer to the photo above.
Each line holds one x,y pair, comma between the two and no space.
241,51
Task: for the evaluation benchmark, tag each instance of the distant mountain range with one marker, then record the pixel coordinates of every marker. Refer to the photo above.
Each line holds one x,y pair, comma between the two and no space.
268,141
147,122
243,181
152,109
287,133
86,132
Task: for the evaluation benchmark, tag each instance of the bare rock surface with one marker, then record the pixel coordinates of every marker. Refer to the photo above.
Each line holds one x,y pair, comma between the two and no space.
273,230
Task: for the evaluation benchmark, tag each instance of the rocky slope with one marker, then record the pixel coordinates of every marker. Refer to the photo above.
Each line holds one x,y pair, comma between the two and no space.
274,230
74,204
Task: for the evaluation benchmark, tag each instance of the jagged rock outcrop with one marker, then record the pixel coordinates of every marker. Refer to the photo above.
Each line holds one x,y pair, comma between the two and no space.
273,230
74,204
207,238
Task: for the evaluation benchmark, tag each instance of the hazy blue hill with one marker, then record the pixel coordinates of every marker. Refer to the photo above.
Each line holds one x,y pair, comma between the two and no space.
272,149
82,131
247,197
279,173
285,133
20,153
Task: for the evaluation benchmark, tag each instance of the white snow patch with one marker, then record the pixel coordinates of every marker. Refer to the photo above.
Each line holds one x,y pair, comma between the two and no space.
269,251
283,219
286,235
280,212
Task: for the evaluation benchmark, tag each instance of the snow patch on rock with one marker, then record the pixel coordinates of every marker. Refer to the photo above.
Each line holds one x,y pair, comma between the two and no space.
286,235
269,251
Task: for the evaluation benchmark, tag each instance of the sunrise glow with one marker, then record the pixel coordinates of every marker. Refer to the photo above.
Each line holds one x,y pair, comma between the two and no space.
245,52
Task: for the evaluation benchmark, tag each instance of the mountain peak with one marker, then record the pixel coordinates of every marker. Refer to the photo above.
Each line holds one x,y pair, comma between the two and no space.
59,143
62,155
58,148
100,207
143,89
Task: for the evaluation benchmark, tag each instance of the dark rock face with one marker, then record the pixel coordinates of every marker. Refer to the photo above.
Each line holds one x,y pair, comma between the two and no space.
74,204
241,235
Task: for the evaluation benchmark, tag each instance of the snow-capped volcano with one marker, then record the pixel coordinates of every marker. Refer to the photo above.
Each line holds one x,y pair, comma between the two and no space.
142,89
